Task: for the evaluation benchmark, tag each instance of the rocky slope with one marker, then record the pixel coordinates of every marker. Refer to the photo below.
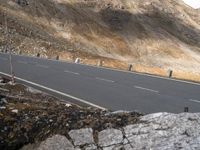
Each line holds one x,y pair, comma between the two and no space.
156,131
163,33
29,116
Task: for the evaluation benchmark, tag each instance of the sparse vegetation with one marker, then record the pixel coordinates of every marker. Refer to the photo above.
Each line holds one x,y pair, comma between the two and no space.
163,34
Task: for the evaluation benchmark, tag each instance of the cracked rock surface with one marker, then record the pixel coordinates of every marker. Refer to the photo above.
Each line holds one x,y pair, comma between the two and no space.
110,137
82,136
155,131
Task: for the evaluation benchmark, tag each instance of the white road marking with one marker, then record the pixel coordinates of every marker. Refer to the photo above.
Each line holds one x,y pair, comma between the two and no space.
193,100
42,66
102,79
67,71
57,92
22,62
112,69
142,88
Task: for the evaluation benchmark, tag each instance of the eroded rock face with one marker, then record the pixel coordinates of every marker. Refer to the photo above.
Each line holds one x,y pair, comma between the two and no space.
156,131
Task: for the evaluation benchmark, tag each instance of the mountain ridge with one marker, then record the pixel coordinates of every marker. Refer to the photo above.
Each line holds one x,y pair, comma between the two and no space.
159,33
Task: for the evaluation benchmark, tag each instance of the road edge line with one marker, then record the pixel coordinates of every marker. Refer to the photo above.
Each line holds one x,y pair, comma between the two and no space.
55,91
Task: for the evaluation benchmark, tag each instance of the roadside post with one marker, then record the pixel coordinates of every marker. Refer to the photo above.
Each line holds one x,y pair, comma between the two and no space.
99,63
57,57
38,54
169,73
77,61
130,66
10,53
186,109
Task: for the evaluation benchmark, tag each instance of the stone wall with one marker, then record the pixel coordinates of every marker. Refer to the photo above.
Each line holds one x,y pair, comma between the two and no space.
155,131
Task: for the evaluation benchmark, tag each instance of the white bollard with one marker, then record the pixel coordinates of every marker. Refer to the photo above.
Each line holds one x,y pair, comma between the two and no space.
99,63
77,61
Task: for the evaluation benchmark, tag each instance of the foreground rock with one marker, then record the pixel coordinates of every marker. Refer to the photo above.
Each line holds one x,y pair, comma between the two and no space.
156,131
56,142
82,136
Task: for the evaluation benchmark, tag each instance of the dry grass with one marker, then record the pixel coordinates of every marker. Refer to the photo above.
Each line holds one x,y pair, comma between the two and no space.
149,70
183,75
116,64
187,76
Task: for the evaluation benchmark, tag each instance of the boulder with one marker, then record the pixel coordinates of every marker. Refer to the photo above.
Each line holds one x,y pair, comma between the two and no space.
110,137
82,136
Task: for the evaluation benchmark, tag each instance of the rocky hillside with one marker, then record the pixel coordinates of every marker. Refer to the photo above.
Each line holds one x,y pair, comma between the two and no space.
163,33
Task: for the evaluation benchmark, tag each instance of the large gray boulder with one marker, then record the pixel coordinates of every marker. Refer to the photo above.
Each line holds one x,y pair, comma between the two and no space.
165,131
56,142
82,136
110,137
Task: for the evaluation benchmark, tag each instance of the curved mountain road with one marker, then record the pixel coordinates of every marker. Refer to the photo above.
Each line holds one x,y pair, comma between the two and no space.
105,88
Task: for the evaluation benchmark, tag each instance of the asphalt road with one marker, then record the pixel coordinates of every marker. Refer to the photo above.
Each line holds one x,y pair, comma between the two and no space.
111,89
